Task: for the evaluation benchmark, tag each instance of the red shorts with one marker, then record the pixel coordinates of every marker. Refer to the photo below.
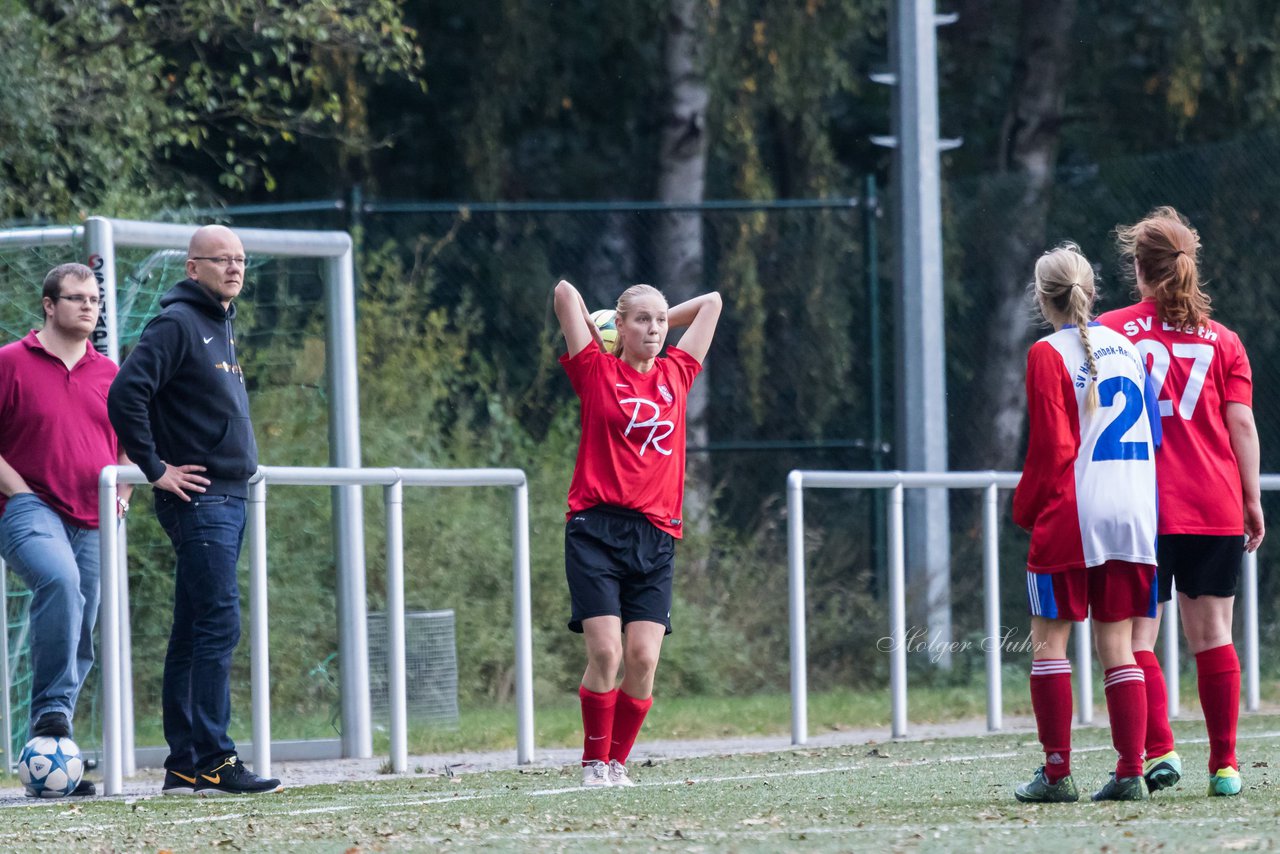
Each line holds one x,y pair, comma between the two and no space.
1116,590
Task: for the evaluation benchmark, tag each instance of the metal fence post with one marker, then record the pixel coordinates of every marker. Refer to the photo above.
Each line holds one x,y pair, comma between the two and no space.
522,605
991,605
393,499
1084,671
795,597
128,757
109,619
1252,680
259,627
1172,678
897,613
6,709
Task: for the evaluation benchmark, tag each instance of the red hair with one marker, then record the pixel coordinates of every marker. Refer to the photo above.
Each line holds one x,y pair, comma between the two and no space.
1165,247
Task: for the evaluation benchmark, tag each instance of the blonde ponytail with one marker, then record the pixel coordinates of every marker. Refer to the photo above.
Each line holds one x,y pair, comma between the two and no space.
1065,292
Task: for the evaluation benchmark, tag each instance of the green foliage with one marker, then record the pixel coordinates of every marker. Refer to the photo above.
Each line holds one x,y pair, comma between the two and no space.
96,100
784,77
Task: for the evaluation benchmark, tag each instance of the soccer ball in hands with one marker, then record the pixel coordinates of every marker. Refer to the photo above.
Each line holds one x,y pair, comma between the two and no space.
604,321
50,767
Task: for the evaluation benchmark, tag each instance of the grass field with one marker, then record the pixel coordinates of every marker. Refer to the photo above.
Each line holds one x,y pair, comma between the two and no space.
952,794
558,720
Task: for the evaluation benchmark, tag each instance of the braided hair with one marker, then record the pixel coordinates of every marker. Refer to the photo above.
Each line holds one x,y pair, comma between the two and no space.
1065,292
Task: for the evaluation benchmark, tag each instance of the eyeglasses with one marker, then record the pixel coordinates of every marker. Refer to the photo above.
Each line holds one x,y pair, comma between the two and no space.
93,301
222,260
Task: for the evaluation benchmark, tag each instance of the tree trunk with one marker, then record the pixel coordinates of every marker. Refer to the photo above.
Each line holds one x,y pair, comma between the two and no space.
1028,158
610,265
678,242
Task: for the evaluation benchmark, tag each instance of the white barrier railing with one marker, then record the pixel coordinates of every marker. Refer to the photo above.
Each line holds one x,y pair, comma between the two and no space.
117,736
990,482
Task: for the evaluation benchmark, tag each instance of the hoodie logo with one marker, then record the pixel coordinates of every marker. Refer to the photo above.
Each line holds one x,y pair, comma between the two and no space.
207,340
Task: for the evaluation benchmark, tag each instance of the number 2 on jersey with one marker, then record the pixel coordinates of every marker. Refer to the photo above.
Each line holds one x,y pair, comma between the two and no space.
1201,354
1110,446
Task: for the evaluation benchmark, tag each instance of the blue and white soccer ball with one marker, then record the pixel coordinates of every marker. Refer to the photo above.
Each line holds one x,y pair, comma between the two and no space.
50,767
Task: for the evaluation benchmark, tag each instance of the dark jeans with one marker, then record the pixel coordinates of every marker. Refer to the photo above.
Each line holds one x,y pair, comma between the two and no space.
206,535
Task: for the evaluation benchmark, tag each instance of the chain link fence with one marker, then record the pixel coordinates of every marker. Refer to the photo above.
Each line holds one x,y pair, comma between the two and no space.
458,343
1220,188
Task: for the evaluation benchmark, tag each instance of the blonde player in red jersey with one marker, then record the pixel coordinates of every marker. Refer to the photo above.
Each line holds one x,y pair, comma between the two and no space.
1210,503
625,504
1088,497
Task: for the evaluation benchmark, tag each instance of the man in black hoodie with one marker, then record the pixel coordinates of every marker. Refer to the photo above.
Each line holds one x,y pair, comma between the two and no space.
180,408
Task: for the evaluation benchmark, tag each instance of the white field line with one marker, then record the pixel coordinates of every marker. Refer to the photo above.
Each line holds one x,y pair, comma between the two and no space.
887,831
360,802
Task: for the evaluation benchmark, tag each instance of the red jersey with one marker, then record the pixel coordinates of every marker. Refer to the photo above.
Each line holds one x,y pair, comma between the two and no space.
632,449
1196,373
54,429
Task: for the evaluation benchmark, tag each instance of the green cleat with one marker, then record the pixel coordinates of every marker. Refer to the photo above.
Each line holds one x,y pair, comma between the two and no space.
1224,783
1122,789
1041,791
1162,772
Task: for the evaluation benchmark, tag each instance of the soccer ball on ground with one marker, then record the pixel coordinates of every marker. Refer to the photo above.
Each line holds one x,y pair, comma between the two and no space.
50,767
604,321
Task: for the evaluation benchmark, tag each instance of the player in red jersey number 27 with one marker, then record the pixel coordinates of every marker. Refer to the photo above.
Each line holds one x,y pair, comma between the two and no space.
1210,504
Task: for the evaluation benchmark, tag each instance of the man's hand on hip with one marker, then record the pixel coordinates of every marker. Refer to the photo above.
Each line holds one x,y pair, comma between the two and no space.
180,480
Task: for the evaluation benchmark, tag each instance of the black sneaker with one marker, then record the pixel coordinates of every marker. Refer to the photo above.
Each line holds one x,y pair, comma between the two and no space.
1040,791
1122,789
52,725
85,789
177,783
230,777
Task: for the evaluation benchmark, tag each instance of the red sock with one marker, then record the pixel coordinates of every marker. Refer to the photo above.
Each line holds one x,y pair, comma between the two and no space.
1218,677
626,725
1051,701
1127,708
597,723
1159,733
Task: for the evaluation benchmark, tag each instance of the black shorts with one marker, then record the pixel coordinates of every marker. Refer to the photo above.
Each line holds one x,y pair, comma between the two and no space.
1202,565
618,564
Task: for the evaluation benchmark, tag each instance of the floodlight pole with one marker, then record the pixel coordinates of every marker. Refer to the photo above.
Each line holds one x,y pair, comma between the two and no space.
921,368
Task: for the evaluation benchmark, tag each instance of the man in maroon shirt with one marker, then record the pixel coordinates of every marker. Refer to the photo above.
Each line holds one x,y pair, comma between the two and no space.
55,438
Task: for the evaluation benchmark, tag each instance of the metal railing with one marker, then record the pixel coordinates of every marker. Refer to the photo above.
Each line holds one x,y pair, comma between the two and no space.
117,736
990,482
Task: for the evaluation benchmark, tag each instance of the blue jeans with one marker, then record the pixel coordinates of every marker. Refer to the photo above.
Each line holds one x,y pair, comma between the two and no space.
59,564
196,697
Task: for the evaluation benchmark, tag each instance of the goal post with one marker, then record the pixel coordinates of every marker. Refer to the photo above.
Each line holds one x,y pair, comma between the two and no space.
334,250
102,236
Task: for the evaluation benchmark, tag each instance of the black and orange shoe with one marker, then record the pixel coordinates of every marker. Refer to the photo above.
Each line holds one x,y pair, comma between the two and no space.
178,783
230,777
